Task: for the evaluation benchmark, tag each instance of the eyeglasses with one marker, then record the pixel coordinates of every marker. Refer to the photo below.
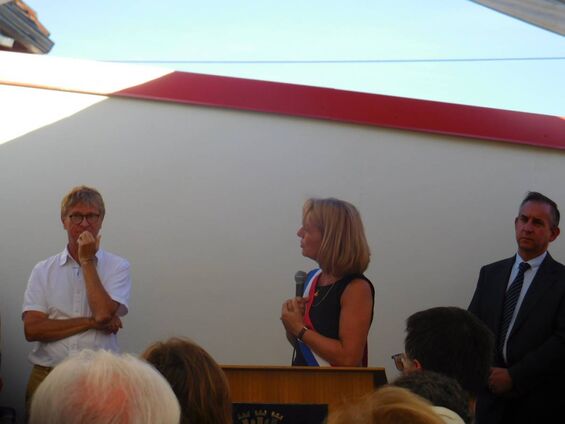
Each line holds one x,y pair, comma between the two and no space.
91,218
400,360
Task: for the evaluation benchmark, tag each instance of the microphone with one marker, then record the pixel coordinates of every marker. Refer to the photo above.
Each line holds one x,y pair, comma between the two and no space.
300,279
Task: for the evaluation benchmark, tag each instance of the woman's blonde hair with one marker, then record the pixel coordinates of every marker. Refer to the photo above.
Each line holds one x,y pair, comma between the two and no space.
389,405
344,249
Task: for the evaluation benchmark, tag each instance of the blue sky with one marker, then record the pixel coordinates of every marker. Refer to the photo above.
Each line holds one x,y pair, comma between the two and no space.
313,30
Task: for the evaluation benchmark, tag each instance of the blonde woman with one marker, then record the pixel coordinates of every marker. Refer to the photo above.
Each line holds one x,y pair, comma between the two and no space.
329,325
389,405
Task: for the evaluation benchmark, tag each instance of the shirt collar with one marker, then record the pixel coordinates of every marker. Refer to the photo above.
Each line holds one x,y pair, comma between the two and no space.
65,256
534,263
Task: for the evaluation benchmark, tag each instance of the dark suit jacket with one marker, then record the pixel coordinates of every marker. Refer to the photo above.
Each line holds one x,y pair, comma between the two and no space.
536,345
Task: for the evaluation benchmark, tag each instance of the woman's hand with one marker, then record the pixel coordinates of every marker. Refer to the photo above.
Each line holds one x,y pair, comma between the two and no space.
302,301
292,314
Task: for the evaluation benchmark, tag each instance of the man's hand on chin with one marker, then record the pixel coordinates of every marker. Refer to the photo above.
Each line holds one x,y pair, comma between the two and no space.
87,246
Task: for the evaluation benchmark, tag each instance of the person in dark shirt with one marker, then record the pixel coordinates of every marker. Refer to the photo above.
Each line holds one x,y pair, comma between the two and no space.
330,324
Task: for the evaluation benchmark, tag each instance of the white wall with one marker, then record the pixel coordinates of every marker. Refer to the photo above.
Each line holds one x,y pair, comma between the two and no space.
205,204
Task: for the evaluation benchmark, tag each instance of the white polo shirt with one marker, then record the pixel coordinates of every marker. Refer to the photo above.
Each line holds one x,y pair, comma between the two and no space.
56,288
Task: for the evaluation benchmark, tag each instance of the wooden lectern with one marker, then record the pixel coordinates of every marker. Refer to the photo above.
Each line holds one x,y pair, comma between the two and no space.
301,385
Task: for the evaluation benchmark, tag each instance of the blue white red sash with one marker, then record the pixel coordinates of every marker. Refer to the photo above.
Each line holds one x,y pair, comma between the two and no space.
311,358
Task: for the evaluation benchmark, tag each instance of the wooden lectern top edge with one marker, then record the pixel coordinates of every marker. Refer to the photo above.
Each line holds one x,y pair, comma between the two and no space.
291,368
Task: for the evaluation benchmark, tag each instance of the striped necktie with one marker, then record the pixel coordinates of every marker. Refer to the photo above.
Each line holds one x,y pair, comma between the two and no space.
510,300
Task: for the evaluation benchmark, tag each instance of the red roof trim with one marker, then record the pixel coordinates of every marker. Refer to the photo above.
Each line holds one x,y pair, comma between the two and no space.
353,107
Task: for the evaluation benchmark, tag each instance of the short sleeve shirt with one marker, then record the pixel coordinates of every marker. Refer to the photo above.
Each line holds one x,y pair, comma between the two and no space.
56,287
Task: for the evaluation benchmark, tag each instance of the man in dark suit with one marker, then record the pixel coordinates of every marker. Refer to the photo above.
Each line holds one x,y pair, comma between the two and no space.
522,300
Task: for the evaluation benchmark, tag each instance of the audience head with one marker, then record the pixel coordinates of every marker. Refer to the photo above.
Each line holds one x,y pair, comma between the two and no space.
451,341
199,383
95,387
438,389
344,248
389,405
85,195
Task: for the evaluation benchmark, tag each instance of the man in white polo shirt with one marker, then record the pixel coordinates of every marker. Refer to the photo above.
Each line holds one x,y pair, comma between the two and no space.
74,300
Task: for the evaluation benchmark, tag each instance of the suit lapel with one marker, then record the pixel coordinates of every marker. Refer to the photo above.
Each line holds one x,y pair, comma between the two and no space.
544,279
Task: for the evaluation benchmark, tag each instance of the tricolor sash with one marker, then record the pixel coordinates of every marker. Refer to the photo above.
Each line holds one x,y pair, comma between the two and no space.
311,358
